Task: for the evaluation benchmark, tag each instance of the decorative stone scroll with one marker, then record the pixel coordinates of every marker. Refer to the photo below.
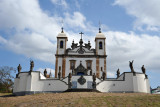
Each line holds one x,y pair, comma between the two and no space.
81,80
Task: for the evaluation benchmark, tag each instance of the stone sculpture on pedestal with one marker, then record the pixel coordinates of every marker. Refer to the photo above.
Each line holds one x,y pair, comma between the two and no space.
94,81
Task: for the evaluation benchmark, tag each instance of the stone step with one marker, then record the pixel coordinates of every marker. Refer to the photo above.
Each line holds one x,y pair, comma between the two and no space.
81,90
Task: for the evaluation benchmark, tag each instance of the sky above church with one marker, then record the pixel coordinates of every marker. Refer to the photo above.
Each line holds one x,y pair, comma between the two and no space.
28,30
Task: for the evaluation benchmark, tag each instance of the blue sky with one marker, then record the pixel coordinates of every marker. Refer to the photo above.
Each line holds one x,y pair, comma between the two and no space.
28,30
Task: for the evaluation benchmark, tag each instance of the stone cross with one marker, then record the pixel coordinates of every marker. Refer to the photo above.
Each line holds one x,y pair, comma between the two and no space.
62,27
99,24
81,34
99,27
62,30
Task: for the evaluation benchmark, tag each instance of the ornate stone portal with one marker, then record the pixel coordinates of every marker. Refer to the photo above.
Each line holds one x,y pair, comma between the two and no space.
80,70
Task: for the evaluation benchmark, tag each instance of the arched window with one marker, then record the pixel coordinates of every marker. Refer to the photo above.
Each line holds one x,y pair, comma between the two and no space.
100,45
72,64
61,44
89,64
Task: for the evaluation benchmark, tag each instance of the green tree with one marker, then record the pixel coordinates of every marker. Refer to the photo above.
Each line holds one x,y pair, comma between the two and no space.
6,78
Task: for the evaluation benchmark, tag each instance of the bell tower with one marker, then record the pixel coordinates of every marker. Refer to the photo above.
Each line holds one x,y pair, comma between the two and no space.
100,44
100,47
61,50
61,42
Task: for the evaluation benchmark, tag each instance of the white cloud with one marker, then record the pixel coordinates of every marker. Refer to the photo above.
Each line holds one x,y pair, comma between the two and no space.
146,13
75,20
110,75
35,36
2,40
34,31
77,4
32,45
60,2
26,15
124,47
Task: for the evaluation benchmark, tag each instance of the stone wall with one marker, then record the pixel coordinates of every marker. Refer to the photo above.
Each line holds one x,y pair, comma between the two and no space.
36,83
127,82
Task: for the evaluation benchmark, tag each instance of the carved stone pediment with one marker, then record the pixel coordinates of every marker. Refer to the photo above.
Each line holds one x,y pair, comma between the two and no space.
80,49
80,70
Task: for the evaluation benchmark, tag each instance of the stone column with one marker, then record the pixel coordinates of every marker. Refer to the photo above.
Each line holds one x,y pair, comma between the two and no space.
69,81
105,67
63,67
56,67
94,81
97,67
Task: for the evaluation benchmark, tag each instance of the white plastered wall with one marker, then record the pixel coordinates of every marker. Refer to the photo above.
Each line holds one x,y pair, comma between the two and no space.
141,83
117,86
22,83
131,83
37,82
47,85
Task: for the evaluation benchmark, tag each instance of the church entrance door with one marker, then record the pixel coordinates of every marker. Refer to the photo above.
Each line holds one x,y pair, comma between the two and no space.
80,73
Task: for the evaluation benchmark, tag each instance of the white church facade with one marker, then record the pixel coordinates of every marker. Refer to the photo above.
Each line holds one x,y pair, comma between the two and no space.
67,60
80,68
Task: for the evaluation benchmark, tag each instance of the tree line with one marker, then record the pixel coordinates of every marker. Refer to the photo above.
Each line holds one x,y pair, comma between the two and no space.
6,78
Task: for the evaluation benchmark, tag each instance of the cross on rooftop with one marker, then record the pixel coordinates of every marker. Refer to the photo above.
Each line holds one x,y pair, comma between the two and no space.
81,34
99,24
62,30
99,27
62,27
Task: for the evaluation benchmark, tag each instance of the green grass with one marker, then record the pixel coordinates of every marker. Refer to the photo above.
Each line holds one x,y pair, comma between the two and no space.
83,99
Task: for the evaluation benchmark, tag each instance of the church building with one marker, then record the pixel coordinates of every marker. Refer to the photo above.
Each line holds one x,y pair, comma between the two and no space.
80,59
80,68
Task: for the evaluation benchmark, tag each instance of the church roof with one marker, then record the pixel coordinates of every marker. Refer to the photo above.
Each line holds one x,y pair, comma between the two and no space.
61,35
100,35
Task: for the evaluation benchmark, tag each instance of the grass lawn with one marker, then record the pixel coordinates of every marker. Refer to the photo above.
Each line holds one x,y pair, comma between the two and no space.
82,99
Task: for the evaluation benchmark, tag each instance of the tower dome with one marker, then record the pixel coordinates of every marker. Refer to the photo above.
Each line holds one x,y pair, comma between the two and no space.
62,34
100,35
